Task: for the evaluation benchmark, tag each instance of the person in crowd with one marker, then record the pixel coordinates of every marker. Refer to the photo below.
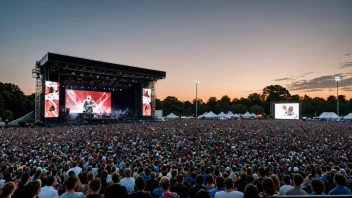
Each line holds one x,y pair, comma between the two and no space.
287,185
48,190
32,189
179,188
128,181
229,192
209,182
251,191
70,184
317,187
140,185
219,187
202,194
192,192
241,183
8,190
297,182
165,185
115,189
152,183
20,192
340,182
268,188
95,185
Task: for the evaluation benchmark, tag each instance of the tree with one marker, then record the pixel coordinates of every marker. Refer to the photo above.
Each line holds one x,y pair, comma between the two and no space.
238,108
331,98
256,109
255,99
212,102
7,115
276,92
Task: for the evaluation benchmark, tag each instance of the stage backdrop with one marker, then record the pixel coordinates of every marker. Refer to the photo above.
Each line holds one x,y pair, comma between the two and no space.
51,99
146,107
80,101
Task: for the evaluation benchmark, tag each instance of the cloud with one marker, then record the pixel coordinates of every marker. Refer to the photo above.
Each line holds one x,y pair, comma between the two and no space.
348,54
346,64
322,82
292,78
283,79
313,90
346,88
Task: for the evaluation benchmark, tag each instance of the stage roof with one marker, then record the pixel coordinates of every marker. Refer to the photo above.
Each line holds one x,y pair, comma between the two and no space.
70,62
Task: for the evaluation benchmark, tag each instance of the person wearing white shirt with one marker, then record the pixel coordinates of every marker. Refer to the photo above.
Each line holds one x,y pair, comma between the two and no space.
75,169
128,181
48,191
229,192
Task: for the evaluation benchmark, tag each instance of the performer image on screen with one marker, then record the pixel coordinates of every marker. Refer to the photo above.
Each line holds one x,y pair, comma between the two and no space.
88,105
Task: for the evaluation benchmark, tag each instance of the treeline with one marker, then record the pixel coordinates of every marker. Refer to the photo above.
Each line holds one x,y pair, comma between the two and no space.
13,102
258,103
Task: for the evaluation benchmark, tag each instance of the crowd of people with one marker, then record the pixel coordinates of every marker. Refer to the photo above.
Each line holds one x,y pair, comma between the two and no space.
181,158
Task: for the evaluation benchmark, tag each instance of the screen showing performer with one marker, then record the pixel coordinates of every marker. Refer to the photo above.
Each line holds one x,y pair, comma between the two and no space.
51,98
287,111
89,102
147,108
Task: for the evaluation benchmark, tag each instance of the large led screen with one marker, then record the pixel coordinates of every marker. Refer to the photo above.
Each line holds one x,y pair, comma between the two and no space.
51,99
79,101
147,108
287,111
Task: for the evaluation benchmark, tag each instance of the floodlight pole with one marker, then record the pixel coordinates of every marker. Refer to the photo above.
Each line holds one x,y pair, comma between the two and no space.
337,79
337,98
197,82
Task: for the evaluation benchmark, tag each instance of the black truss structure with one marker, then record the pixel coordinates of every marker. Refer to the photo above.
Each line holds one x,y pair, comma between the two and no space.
69,70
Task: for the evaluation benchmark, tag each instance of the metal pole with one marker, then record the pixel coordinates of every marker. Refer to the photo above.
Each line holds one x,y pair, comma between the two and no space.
197,99
337,99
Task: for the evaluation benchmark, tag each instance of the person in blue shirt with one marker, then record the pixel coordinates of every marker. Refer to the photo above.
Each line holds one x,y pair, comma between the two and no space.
317,187
219,187
340,188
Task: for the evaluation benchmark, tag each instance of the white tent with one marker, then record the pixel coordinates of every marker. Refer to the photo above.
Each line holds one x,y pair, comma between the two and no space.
230,114
348,117
222,114
171,115
247,114
253,115
236,115
211,115
328,115
202,116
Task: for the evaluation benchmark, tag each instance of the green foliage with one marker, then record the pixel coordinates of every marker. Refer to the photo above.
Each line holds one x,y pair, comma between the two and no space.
258,103
13,99
7,115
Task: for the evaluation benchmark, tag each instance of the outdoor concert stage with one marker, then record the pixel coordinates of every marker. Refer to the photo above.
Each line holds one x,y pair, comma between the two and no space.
71,89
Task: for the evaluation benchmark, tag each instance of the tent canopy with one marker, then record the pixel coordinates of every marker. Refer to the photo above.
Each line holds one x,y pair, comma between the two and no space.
211,115
222,114
171,115
348,117
202,116
253,115
328,115
247,114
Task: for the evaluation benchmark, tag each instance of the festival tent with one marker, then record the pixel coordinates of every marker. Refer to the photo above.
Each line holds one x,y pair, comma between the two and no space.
171,115
328,115
29,117
348,117
247,114
202,116
211,115
230,114
253,115
236,115
222,114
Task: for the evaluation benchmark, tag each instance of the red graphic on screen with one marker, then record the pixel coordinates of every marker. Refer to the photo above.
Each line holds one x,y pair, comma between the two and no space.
79,101
51,97
147,108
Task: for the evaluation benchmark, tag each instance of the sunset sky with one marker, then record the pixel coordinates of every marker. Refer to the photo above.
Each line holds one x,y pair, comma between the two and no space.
233,47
